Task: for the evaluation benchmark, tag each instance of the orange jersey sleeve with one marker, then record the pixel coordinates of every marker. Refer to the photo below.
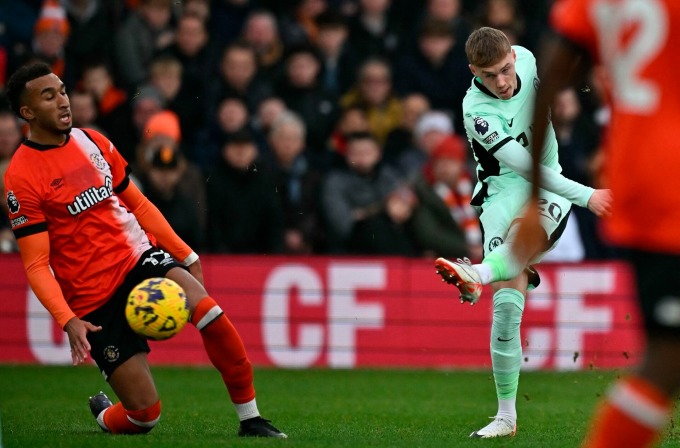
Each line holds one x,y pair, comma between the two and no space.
35,254
153,221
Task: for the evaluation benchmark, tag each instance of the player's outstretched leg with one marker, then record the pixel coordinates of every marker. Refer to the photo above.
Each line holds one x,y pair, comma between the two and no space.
227,353
461,274
115,419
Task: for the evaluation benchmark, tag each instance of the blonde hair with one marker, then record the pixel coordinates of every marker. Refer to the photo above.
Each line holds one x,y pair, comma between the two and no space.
486,46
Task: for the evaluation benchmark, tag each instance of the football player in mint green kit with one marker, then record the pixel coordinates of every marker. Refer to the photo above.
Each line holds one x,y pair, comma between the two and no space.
498,110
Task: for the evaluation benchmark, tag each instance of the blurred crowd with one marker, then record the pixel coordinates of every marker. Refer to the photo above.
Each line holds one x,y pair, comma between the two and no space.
292,126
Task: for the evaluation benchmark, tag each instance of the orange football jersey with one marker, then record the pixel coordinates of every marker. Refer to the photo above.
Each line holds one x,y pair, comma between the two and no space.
636,41
70,192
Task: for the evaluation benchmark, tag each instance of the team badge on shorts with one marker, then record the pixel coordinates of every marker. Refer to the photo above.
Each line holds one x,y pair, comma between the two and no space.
12,202
495,242
481,125
111,353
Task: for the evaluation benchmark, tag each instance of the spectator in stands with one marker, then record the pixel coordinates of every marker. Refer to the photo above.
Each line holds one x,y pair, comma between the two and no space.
145,103
297,185
162,185
239,77
298,24
354,202
435,70
227,18
267,112
231,118
162,124
244,212
146,31
92,24
199,9
17,22
184,98
162,129
50,34
373,92
504,15
193,50
451,12
83,110
303,94
431,129
578,141
114,112
10,135
352,120
444,222
400,140
338,64
262,33
7,241
374,32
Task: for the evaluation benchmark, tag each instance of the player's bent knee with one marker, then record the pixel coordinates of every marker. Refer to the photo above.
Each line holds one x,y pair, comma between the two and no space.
145,419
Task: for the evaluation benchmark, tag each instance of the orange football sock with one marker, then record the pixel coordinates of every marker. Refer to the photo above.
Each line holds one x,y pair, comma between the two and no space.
633,415
119,420
225,350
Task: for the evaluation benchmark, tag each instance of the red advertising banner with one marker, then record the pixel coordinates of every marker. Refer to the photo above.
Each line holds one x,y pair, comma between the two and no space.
299,312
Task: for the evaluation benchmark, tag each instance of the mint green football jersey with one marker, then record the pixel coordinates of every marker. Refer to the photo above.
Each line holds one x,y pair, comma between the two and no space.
491,123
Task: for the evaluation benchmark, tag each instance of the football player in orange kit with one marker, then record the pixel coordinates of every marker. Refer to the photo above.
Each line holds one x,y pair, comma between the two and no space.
82,226
636,42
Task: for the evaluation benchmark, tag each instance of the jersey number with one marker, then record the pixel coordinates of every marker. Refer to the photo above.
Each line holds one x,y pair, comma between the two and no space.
632,33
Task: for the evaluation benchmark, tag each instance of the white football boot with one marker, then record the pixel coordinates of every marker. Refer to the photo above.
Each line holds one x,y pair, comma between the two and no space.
499,427
461,274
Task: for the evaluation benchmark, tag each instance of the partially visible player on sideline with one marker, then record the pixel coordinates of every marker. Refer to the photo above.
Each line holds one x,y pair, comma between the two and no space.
498,109
73,209
636,41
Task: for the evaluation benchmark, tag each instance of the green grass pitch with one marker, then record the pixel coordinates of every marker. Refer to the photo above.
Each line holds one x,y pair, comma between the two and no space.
47,407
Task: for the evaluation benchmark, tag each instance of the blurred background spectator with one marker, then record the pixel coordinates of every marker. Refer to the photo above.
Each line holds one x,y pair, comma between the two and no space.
300,90
296,184
244,210
162,184
10,134
401,140
84,109
444,223
145,31
374,32
354,202
261,103
433,69
373,93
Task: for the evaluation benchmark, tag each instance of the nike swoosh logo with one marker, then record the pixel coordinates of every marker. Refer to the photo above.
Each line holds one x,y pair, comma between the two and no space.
505,340
510,122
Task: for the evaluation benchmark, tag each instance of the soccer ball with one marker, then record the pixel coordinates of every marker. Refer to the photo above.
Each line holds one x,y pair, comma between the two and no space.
157,308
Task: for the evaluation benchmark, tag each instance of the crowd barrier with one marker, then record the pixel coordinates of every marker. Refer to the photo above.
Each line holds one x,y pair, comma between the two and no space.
347,312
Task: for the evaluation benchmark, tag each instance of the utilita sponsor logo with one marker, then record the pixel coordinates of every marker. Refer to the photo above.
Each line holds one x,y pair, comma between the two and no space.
91,197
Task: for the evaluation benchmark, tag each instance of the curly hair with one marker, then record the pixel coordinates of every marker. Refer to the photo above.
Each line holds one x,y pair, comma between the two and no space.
16,86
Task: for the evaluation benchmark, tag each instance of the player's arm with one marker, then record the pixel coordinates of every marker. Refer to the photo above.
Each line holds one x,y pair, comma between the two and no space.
559,64
560,61
35,255
153,221
515,157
